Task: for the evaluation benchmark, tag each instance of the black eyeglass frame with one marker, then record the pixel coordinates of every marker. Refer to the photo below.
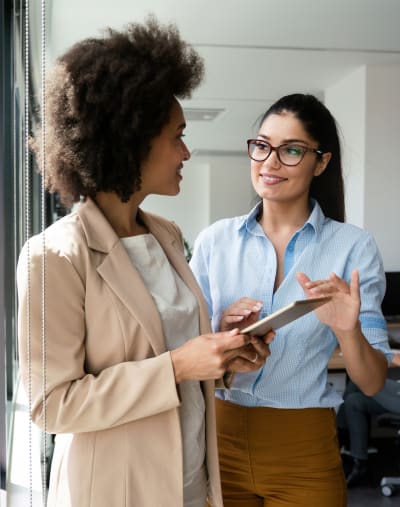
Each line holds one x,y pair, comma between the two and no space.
276,149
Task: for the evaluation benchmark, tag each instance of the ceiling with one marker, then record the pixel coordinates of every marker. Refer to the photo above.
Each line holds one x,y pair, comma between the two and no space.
255,51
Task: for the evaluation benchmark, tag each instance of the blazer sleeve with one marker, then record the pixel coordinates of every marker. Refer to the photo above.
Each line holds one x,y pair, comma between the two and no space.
66,396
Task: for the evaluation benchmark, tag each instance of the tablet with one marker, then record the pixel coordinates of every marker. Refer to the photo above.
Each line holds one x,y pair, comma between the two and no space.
284,316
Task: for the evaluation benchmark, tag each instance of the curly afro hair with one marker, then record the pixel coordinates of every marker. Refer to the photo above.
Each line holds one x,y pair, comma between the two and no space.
106,99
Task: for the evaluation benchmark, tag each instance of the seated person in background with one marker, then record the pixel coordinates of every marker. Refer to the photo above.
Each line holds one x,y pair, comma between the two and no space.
353,420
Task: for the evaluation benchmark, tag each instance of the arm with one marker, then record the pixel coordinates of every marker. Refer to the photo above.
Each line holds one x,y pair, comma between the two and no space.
80,398
366,366
90,383
396,360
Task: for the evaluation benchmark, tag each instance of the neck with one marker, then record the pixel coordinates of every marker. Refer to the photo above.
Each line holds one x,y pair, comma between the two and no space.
121,215
278,216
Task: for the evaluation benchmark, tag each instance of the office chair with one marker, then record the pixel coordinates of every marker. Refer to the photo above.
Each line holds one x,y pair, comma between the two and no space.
392,420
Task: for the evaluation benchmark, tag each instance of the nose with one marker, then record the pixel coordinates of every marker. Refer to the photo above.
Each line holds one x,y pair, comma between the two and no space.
186,152
273,160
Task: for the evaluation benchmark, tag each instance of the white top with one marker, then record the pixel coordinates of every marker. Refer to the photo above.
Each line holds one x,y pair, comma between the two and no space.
180,319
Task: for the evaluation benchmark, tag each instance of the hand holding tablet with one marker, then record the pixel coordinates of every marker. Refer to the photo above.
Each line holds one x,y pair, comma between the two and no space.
284,316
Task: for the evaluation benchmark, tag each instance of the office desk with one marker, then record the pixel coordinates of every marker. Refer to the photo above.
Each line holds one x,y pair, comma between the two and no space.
336,362
337,375
394,333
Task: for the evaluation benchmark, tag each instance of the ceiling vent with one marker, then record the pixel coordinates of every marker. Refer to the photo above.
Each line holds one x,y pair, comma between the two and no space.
202,114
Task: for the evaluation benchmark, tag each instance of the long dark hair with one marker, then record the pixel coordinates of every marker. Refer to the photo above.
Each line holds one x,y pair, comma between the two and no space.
327,188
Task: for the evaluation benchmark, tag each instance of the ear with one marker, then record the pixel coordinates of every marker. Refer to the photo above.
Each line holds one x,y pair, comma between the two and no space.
322,163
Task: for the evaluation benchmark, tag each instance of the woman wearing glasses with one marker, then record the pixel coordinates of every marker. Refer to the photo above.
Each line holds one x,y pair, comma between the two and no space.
277,427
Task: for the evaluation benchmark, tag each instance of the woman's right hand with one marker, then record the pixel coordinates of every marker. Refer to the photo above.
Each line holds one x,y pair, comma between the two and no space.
240,314
208,356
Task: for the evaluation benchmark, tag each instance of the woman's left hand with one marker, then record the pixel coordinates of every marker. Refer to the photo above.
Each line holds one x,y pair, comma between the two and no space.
253,355
342,312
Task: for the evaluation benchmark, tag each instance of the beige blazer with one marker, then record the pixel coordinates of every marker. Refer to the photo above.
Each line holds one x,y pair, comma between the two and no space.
111,396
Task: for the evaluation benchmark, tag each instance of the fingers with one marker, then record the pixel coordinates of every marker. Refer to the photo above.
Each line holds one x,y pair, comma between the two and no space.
241,309
255,352
324,287
205,357
251,358
230,340
241,365
355,284
261,347
302,278
269,337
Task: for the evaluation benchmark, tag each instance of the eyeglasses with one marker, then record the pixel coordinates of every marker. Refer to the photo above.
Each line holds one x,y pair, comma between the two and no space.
288,154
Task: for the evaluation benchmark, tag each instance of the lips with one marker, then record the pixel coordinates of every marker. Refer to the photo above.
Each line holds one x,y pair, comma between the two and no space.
268,179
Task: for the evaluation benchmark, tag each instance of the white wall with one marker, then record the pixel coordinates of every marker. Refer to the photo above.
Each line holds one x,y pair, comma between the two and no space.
351,123
212,188
231,191
367,106
382,172
191,208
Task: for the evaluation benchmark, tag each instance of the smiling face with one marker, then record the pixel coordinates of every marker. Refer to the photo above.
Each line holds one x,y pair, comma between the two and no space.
161,171
276,182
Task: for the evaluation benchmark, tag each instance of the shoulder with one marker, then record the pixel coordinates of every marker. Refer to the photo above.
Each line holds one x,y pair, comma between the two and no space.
62,245
222,228
154,221
62,237
350,244
345,232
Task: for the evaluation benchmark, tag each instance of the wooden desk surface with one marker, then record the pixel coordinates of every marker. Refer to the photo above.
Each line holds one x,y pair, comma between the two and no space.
336,361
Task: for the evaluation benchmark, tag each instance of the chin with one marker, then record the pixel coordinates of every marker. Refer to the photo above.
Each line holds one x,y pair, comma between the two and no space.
171,192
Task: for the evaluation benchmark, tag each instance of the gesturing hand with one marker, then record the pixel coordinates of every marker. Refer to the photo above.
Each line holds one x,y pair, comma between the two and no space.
342,312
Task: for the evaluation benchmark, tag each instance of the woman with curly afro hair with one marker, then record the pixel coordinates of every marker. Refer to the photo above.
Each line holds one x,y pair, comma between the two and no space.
131,362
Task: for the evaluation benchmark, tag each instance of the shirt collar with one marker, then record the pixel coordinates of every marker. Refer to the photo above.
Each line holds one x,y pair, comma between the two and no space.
315,220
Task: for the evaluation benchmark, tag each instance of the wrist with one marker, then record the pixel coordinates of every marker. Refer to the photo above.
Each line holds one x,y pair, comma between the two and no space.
177,365
348,334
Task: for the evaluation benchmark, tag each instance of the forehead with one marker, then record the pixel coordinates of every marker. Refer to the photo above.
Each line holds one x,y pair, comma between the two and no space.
284,126
176,117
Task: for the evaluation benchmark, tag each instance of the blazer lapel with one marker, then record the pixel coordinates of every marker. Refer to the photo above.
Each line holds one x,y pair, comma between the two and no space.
124,280
120,275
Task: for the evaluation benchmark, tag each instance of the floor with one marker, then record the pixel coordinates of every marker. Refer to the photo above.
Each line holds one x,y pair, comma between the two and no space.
385,462
371,497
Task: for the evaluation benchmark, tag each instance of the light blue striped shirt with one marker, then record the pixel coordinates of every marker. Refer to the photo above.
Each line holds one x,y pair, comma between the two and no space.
233,258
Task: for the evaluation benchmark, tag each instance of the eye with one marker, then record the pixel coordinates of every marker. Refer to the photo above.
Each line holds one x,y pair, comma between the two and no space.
294,150
261,146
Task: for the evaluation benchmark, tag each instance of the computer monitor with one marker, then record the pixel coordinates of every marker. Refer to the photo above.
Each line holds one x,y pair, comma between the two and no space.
391,300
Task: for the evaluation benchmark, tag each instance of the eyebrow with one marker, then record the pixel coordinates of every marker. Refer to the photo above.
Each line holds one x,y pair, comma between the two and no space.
182,126
286,141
